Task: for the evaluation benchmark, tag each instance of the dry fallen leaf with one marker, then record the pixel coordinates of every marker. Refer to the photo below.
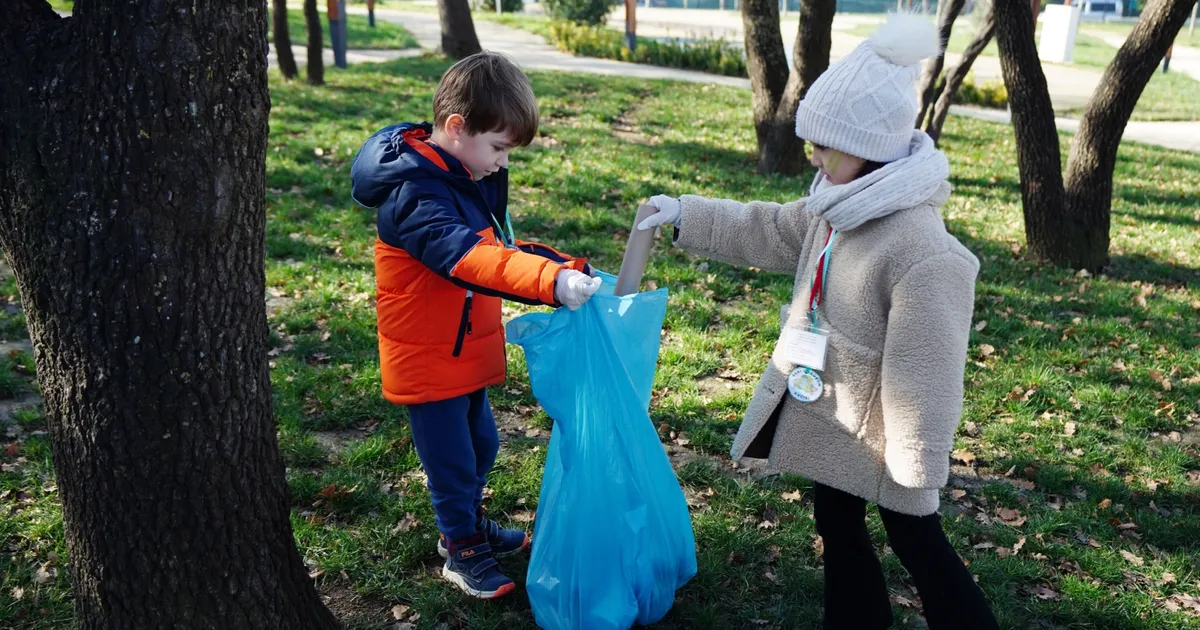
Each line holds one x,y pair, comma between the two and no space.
44,574
963,455
1167,578
773,553
981,325
18,593
399,610
1137,561
958,494
1011,517
1185,602
1042,592
1069,428
770,576
987,350
791,497
1105,504
1020,543
818,547
406,524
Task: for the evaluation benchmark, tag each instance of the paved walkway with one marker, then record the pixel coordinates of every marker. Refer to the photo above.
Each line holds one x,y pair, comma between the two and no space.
1183,58
532,52
300,53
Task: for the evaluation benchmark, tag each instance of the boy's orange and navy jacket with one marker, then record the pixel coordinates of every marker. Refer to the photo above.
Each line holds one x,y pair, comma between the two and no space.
442,265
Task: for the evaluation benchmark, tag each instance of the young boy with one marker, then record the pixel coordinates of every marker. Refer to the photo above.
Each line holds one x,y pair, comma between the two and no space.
442,263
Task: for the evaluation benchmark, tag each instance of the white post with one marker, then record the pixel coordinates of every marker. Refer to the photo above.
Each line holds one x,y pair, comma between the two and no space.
1192,25
499,6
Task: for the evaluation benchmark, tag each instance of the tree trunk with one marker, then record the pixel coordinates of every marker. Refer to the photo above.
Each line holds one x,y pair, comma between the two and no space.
776,90
810,55
315,70
1094,150
1047,229
132,211
948,11
956,76
458,29
283,39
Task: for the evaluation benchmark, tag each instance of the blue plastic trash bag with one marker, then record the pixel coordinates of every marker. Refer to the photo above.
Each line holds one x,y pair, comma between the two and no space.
613,538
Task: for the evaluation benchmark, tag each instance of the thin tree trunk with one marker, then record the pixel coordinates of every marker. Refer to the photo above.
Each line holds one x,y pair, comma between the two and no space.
132,210
948,11
315,69
1094,150
458,29
1046,228
776,89
814,40
956,76
283,39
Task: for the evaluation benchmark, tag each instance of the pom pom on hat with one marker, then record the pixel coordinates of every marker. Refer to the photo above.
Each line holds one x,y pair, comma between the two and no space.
905,39
866,103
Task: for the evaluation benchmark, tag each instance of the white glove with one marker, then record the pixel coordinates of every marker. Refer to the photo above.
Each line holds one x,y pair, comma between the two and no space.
669,210
573,288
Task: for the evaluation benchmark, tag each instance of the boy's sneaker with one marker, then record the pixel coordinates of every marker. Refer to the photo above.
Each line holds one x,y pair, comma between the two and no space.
471,567
504,542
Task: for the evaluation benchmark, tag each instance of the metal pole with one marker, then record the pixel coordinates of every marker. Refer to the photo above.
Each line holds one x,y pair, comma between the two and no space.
1192,25
499,6
631,24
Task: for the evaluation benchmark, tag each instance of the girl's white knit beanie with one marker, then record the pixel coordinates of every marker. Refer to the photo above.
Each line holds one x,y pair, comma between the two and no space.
865,105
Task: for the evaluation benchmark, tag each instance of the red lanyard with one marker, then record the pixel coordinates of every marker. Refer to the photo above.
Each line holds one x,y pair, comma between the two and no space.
817,290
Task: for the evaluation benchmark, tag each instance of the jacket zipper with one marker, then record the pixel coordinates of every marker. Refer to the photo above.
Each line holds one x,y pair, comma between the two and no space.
464,327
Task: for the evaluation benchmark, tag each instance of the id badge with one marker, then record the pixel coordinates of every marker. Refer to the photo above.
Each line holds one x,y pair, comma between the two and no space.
806,346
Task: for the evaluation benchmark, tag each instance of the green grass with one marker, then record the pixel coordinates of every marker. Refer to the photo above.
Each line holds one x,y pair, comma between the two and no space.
359,33
1082,350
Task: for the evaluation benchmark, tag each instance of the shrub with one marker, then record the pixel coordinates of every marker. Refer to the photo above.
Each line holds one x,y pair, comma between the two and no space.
592,12
507,6
716,56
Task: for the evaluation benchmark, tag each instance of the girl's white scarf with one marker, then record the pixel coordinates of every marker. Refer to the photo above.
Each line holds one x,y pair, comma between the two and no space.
906,183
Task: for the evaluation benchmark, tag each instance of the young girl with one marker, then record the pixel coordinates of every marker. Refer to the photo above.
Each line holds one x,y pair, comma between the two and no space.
863,392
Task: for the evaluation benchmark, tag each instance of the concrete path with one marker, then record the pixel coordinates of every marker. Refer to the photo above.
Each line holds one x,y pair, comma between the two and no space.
352,55
1183,59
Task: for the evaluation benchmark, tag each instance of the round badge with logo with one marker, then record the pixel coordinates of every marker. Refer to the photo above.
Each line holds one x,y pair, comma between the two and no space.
805,385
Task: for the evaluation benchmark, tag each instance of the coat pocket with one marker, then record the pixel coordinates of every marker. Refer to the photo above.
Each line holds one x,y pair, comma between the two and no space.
851,376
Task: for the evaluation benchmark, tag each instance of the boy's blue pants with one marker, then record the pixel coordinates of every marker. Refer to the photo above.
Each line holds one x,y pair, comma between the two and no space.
457,442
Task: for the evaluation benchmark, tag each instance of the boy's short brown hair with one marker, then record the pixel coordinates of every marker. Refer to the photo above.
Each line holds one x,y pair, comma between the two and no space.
491,92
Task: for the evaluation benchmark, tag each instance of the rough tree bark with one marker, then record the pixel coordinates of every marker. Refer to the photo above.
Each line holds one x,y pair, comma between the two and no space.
314,71
1038,158
283,39
1069,226
948,12
955,78
776,89
458,29
1094,152
132,211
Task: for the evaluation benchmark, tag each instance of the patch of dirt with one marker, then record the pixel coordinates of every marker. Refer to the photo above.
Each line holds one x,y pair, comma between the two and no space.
354,610
715,386
512,424
22,345
625,131
335,441
278,303
748,469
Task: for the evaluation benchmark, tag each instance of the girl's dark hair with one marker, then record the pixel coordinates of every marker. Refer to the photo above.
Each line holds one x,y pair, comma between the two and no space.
870,167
